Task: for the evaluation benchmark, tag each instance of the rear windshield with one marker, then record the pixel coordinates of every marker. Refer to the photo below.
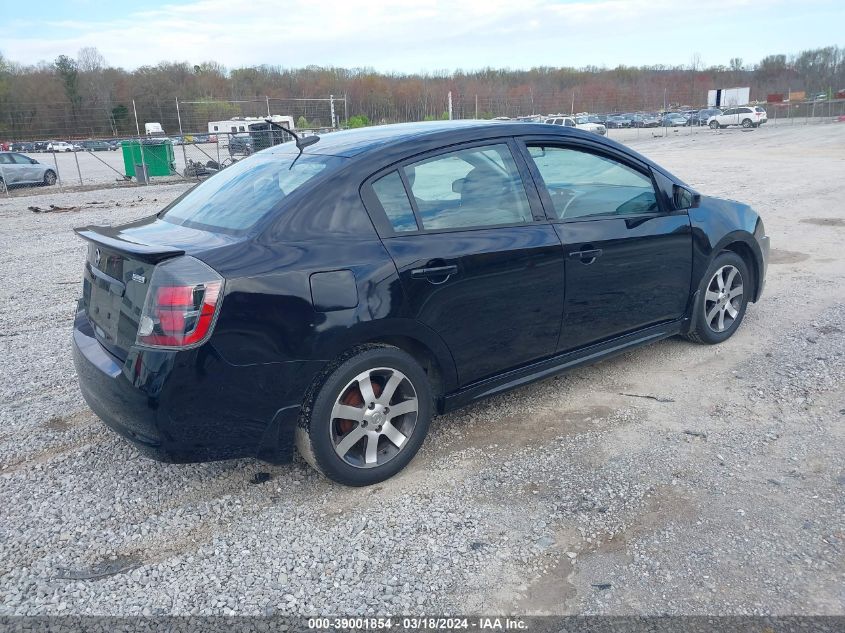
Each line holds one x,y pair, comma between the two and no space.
235,199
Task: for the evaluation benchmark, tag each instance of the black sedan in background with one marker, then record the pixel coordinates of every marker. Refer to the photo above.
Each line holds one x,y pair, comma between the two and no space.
337,296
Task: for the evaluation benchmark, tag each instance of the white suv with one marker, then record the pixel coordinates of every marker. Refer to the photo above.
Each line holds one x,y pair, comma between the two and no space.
746,116
580,122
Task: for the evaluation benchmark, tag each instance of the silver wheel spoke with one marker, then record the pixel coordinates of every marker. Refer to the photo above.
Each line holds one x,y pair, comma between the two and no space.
409,406
730,279
393,434
366,387
711,296
390,388
712,314
372,448
721,325
719,281
736,292
732,311
346,412
349,440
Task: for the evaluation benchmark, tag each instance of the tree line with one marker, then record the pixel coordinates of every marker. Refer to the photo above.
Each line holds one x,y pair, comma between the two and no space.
85,96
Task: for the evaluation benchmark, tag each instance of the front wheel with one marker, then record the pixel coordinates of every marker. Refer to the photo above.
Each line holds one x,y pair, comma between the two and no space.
368,418
746,123
722,299
714,125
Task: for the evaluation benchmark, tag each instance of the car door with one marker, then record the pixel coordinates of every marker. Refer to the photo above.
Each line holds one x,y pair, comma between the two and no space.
628,261
10,172
478,262
28,171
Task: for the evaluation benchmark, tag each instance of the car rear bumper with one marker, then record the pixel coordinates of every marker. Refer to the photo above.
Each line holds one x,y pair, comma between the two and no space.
192,406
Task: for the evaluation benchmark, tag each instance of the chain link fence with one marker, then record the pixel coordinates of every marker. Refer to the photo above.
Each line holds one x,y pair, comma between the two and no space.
191,140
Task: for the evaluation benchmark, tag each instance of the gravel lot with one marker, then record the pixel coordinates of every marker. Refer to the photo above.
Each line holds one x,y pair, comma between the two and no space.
725,495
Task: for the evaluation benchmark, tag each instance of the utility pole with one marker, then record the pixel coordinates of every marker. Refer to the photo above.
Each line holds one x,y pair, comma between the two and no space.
331,103
476,106
450,105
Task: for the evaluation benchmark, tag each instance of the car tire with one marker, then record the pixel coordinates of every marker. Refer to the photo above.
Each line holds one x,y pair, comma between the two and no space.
372,443
714,125
49,178
747,124
722,299
2,186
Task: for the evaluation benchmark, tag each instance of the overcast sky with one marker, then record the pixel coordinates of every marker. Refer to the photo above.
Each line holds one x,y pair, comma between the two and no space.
425,35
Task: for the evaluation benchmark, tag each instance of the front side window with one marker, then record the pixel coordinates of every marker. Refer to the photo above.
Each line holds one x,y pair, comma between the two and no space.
474,187
581,184
21,160
236,198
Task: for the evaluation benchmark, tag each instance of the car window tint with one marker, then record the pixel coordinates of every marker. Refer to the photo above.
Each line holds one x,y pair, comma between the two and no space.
234,199
5,159
394,200
20,160
472,187
582,184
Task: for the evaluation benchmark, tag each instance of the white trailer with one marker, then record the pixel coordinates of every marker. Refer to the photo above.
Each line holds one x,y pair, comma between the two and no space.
240,125
728,97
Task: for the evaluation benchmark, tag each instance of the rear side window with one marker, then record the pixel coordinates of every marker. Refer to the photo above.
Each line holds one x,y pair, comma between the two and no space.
581,184
394,200
235,199
759,109
474,187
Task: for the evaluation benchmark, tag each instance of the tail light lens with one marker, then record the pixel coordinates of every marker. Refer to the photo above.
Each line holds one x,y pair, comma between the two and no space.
181,305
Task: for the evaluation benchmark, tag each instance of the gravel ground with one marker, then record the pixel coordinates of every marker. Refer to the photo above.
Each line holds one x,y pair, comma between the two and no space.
722,496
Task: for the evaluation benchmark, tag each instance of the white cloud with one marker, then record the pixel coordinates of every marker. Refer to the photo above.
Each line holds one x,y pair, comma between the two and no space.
396,34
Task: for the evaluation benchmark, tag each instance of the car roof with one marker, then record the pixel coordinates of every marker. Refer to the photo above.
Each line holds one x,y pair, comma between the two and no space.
350,143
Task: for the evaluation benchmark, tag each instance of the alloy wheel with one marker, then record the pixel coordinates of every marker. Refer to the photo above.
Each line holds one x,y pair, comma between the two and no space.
373,417
723,298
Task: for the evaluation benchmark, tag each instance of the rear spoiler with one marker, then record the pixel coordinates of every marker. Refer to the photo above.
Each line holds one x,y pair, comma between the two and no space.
105,236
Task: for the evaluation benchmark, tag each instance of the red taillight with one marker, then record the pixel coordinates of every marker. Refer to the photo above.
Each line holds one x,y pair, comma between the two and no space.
181,304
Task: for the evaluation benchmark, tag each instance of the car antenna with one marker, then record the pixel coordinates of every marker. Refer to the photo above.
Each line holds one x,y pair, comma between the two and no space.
301,141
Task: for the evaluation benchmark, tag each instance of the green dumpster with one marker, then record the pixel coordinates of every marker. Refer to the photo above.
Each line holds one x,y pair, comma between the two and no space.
158,157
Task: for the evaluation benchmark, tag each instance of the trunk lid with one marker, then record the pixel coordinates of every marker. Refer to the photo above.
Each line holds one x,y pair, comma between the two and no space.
119,265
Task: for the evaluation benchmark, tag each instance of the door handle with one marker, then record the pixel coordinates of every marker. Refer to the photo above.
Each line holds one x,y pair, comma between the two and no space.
587,254
434,273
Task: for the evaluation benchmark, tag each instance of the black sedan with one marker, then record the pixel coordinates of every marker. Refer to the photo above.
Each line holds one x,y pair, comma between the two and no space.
336,293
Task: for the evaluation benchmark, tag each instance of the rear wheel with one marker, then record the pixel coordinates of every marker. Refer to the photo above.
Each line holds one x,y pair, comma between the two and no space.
722,299
746,123
368,418
2,186
714,125
49,177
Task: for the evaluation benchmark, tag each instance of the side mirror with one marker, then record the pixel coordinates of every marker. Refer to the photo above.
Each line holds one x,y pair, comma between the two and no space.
684,198
33,161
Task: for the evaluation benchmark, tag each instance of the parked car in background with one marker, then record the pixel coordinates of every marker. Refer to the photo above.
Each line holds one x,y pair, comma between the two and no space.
674,119
201,138
114,144
703,116
584,123
17,169
40,146
59,146
22,146
95,146
689,115
581,122
645,120
745,116
241,144
338,298
618,121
